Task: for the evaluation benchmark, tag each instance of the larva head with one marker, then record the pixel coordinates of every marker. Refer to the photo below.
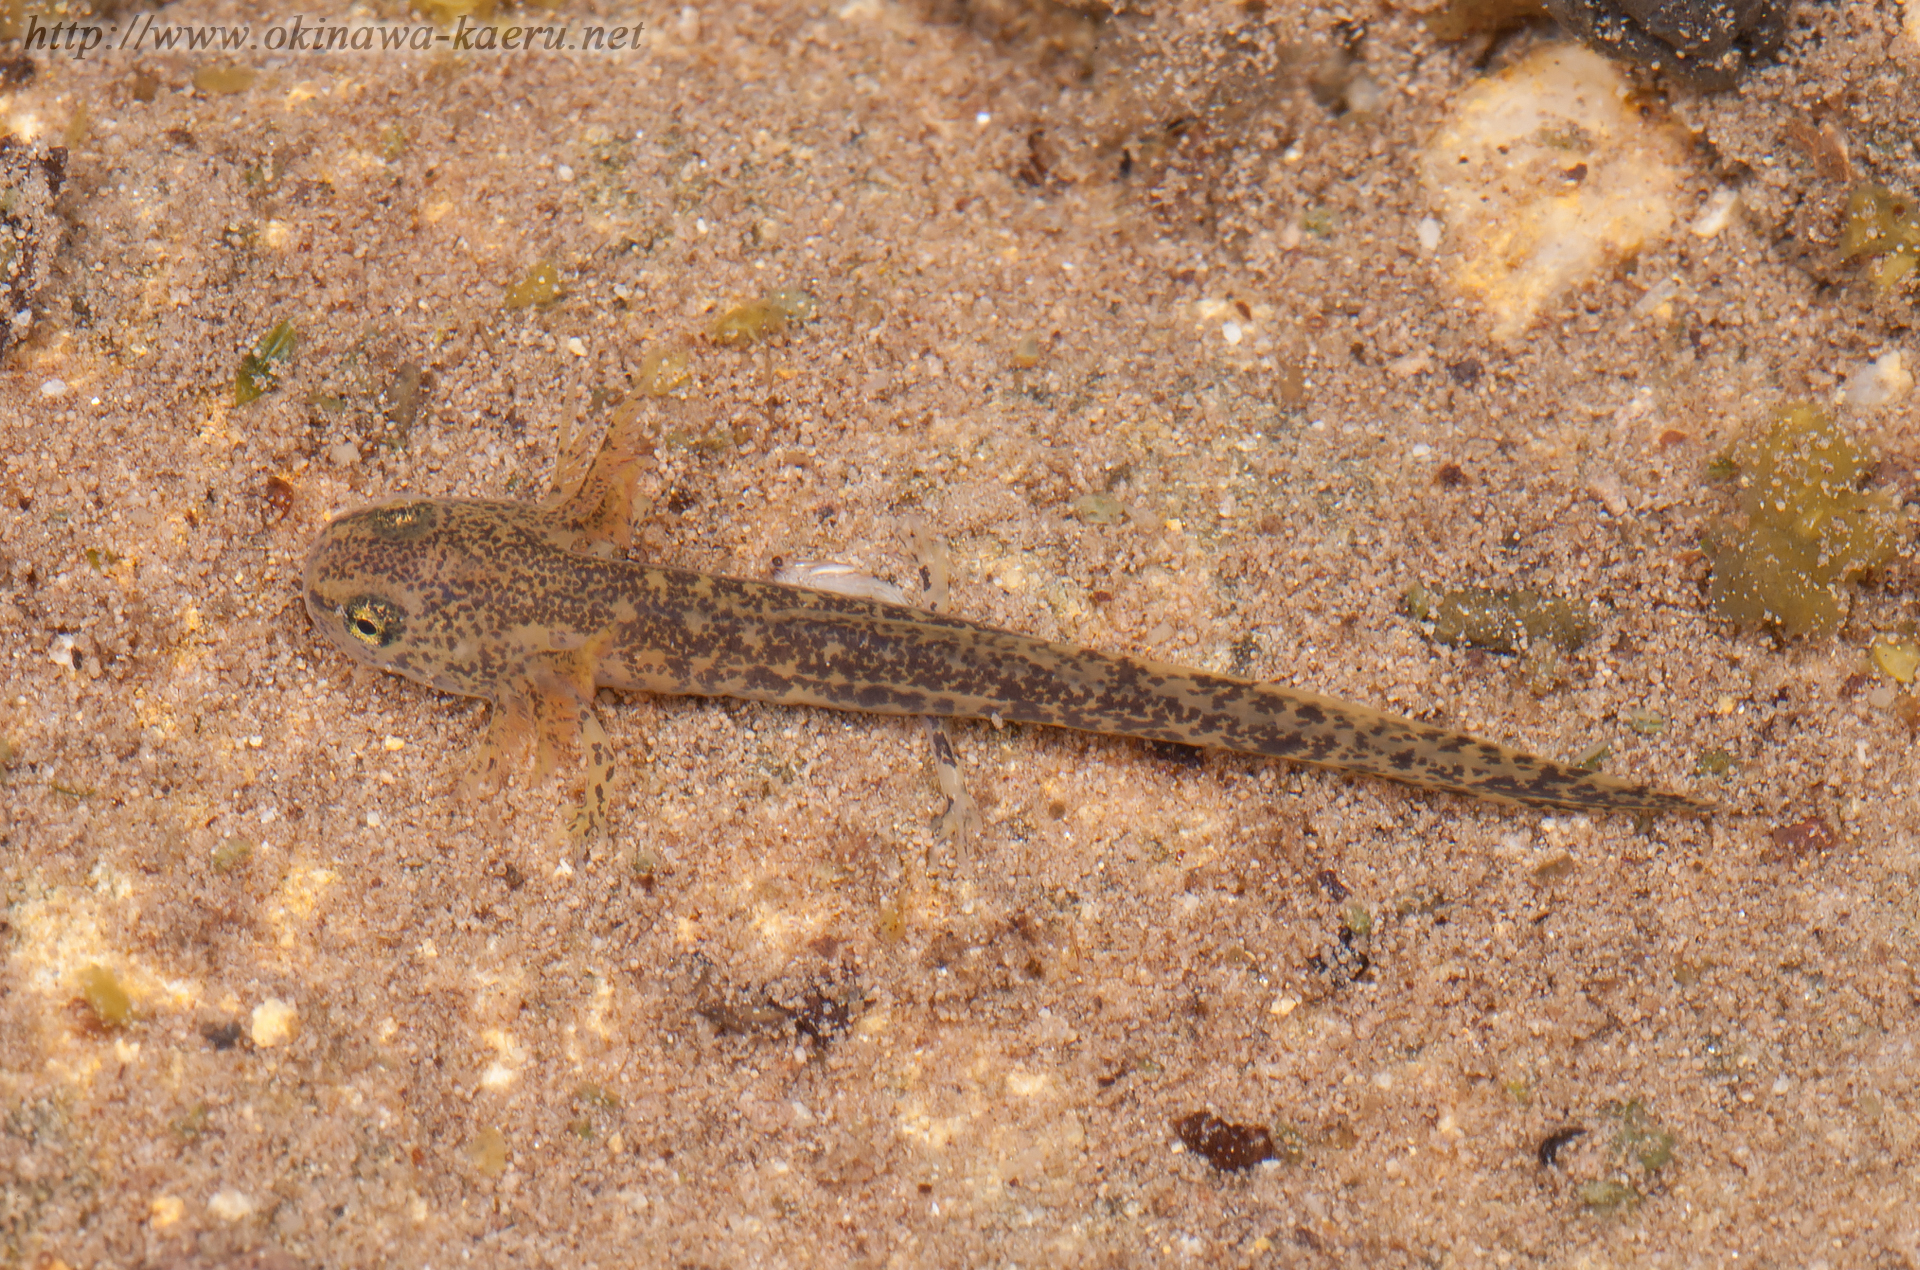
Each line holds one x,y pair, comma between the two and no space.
364,580
423,588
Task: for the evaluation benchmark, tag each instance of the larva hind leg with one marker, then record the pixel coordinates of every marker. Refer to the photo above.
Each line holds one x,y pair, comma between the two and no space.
962,819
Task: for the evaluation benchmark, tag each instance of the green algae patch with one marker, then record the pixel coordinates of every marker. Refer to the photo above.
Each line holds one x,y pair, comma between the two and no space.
1502,621
224,81
1555,868
1539,627
1418,901
487,1152
105,997
1638,1138
1604,1195
664,371
231,854
1100,509
891,921
537,288
76,130
189,1127
260,370
1805,531
1646,722
1898,659
772,314
1639,1148
1884,226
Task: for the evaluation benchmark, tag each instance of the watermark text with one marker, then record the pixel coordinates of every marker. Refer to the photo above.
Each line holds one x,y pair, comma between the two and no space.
150,33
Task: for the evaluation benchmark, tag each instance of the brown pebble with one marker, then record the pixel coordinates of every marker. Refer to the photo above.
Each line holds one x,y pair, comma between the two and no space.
1228,1147
276,500
1803,838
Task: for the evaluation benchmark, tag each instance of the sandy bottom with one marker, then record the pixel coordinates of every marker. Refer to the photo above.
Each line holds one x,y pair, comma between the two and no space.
1137,316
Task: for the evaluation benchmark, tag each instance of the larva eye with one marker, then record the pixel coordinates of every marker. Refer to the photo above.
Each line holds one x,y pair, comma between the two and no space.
373,621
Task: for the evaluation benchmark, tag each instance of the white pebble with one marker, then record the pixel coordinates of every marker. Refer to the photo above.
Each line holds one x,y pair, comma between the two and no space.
53,388
1604,484
1428,232
1365,94
1655,296
273,1023
229,1204
1230,332
344,454
1717,215
576,346
61,651
1881,382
